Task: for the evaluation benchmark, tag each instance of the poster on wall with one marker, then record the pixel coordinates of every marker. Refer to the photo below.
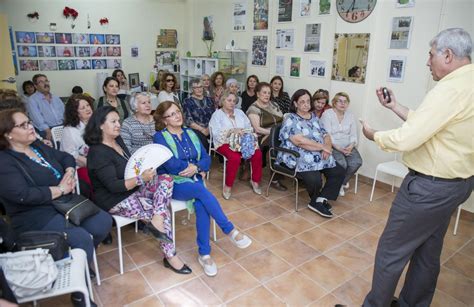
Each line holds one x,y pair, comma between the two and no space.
80,38
29,65
46,51
312,37
295,67
396,69
112,39
114,64
97,39
12,48
401,32
134,52
99,64
25,37
64,51
324,7
259,50
83,52
240,15
285,10
285,39
317,68
405,3
97,51
208,28
167,60
280,65
48,65
168,38
66,65
45,38
260,14
114,51
83,64
63,38
27,51
305,8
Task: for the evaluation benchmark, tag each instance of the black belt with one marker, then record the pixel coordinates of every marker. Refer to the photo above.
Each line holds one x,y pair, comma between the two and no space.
433,178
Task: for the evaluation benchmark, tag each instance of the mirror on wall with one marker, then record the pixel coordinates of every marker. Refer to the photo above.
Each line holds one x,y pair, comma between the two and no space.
350,57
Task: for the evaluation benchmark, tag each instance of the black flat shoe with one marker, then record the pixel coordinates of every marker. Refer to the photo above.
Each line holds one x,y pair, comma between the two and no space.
158,234
92,273
277,185
184,270
107,240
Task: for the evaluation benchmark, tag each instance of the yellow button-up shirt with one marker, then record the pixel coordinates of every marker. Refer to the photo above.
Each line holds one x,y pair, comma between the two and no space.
438,138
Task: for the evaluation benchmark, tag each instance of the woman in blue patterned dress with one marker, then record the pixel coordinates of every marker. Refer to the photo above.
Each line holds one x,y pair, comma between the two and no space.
302,133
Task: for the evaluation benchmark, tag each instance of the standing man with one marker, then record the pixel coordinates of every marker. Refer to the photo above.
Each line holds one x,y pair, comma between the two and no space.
45,109
437,143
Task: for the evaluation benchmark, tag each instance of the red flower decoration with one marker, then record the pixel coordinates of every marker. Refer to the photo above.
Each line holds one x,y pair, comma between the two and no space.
104,21
33,15
70,12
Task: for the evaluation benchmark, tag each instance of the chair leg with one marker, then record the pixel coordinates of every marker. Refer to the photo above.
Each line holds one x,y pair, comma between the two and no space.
214,233
136,226
173,222
393,183
119,242
269,183
96,268
297,195
373,185
456,224
356,183
224,174
88,293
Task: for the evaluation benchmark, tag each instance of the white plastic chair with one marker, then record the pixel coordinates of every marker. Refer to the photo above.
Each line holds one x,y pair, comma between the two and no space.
121,221
394,168
213,149
73,276
179,205
456,224
57,134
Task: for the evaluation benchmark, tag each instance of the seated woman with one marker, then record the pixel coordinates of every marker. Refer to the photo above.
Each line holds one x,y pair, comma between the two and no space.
225,121
168,86
198,110
123,83
155,87
279,96
188,165
302,133
146,197
206,84
111,89
320,102
342,127
138,130
28,202
249,96
217,87
233,87
263,115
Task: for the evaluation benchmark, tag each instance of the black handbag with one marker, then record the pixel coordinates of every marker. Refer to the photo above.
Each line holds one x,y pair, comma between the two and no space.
53,241
75,208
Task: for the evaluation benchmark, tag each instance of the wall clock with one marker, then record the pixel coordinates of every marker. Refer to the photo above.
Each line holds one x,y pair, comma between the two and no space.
355,10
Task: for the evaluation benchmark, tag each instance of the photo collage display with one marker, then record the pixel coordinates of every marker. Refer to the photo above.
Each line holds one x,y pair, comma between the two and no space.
47,51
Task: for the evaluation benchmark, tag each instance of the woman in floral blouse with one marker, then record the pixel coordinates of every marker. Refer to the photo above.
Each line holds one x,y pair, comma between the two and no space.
302,133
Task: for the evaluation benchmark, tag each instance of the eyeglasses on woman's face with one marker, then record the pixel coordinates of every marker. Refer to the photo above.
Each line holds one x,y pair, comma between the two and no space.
173,114
25,125
169,80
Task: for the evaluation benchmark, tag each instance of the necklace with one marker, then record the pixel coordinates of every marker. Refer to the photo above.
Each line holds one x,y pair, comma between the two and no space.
42,161
186,149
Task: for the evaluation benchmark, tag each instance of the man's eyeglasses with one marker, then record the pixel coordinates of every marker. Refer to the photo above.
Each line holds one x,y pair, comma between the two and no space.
174,114
25,125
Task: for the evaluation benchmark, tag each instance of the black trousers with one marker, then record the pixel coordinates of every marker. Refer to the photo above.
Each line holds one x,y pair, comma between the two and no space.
313,182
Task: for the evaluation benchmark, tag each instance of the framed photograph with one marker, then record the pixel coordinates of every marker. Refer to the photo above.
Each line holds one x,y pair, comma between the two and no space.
324,7
44,38
260,14
97,51
134,52
280,65
46,51
401,32
97,39
317,68
259,50
83,64
29,65
66,65
114,63
83,51
25,51
134,80
114,51
25,37
168,38
285,10
80,38
350,56
305,8
208,29
312,37
48,65
396,69
99,64
63,38
285,39
295,67
405,3
65,51
112,39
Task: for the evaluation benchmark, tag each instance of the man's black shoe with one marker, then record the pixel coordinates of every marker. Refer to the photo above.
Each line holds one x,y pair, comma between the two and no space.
320,209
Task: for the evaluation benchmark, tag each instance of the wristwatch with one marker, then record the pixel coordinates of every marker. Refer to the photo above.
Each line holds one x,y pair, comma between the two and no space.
61,189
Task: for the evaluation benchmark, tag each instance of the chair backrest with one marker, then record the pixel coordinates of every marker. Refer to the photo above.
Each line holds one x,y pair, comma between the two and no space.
57,134
274,139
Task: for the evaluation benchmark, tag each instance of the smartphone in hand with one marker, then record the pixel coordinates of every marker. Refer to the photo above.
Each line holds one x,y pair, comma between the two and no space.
386,94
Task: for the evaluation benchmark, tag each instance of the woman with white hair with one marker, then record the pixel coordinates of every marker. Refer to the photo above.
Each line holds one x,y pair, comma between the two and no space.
233,87
138,130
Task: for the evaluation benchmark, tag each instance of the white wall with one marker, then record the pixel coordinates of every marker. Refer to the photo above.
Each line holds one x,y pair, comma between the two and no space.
137,21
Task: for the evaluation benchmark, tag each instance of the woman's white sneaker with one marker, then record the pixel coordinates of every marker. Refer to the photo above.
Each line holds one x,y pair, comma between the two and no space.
209,266
341,192
243,242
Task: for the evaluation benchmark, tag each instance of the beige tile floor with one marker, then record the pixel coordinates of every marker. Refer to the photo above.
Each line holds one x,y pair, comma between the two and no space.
296,259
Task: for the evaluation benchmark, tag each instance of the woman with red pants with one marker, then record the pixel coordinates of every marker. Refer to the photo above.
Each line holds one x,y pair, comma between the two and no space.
225,124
